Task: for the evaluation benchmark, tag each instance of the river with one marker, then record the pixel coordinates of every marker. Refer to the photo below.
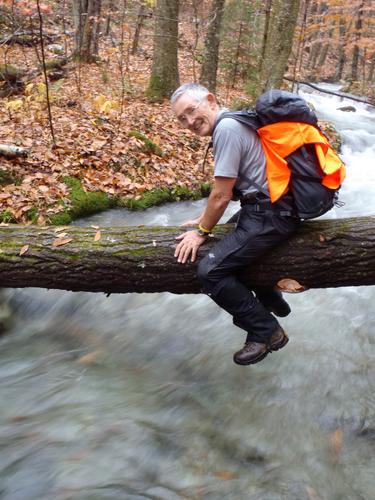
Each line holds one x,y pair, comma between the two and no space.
136,396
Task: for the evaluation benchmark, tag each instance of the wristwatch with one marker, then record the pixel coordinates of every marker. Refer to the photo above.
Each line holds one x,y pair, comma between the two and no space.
202,233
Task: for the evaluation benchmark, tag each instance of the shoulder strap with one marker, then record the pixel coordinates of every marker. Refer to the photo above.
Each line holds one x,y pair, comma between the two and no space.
249,118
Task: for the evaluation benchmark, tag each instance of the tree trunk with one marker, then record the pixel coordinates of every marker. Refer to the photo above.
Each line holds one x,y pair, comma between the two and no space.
211,46
86,15
357,38
279,43
164,76
322,254
267,13
137,32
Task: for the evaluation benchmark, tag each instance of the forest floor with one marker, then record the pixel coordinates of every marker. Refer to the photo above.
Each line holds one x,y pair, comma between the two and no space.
113,147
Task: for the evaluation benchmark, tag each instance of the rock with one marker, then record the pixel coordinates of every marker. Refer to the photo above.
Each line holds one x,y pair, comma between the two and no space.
56,48
347,108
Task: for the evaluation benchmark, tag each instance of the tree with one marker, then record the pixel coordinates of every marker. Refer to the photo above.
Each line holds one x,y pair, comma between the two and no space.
86,16
211,46
357,38
164,75
280,35
329,253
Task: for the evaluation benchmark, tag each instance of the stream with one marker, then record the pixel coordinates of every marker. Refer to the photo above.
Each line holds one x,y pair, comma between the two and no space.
135,396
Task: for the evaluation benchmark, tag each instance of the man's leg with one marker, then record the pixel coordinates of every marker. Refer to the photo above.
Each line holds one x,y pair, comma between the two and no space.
218,271
273,301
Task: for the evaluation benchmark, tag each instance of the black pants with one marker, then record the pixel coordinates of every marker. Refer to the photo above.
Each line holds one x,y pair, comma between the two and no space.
220,270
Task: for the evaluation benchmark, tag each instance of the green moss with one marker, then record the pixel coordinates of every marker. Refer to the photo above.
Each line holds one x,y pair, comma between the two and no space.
82,203
10,73
55,63
32,215
6,217
156,197
6,178
157,89
149,146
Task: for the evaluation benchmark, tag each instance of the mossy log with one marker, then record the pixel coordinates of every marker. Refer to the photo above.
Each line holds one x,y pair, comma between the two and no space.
330,253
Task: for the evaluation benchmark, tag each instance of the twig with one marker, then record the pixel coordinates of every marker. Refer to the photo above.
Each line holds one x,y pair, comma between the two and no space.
45,73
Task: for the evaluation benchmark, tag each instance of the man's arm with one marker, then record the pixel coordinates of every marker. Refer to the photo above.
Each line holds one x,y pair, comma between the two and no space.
218,201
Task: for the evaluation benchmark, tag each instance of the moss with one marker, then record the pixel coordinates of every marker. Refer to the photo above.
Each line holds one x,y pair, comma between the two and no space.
82,203
149,146
32,215
6,178
7,217
10,73
55,63
157,89
156,197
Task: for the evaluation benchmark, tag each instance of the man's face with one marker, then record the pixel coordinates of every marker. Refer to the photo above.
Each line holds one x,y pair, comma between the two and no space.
197,116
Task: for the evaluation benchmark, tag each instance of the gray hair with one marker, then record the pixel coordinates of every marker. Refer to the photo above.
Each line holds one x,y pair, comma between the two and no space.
194,90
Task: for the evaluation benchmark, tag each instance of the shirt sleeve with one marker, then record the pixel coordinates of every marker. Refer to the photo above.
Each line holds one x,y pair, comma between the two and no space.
227,149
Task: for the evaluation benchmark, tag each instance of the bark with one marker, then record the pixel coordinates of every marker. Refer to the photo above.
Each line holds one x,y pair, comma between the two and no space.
211,46
86,15
279,43
357,38
267,13
140,21
12,151
322,254
164,76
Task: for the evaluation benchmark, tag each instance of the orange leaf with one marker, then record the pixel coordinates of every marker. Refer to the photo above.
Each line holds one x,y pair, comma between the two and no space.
24,249
290,285
335,444
61,241
225,475
89,358
97,236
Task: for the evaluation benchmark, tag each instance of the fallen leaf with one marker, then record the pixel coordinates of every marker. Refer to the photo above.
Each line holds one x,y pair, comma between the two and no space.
61,241
24,249
62,228
335,444
97,236
290,286
225,475
312,494
322,238
89,358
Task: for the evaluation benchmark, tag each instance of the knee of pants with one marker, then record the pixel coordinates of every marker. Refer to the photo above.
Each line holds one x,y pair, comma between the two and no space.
203,271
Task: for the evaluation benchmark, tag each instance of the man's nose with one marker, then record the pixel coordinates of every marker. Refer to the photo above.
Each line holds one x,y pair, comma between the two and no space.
190,121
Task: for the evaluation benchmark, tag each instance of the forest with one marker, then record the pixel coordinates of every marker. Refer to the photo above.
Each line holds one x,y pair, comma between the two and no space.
85,119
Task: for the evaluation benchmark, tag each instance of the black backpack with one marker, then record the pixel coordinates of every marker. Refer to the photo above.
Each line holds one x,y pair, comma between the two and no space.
310,197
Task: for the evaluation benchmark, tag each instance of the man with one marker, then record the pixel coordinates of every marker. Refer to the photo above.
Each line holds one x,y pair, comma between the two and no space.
239,174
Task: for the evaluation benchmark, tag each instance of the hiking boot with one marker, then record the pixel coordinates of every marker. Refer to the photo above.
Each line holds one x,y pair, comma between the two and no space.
253,352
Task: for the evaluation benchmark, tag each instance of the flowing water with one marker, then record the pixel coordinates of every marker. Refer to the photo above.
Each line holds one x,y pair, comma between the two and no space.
137,397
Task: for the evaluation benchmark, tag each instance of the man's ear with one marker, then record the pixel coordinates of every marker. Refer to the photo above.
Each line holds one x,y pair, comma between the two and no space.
211,99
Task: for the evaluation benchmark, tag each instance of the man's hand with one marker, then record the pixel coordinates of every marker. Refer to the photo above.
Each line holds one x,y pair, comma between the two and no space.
189,244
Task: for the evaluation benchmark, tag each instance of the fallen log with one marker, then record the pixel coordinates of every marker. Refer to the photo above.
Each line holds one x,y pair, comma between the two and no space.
329,253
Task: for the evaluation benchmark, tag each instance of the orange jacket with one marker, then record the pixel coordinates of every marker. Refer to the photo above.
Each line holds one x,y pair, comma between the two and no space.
280,139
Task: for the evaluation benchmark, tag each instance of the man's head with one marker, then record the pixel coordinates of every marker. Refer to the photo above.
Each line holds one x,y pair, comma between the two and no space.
196,108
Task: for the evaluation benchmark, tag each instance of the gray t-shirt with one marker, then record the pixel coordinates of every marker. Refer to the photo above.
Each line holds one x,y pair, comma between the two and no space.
238,154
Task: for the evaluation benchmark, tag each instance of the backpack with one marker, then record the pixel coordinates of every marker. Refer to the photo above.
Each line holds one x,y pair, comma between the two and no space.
299,158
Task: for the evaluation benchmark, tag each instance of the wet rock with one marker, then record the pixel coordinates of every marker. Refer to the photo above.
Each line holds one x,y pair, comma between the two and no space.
347,108
5,314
